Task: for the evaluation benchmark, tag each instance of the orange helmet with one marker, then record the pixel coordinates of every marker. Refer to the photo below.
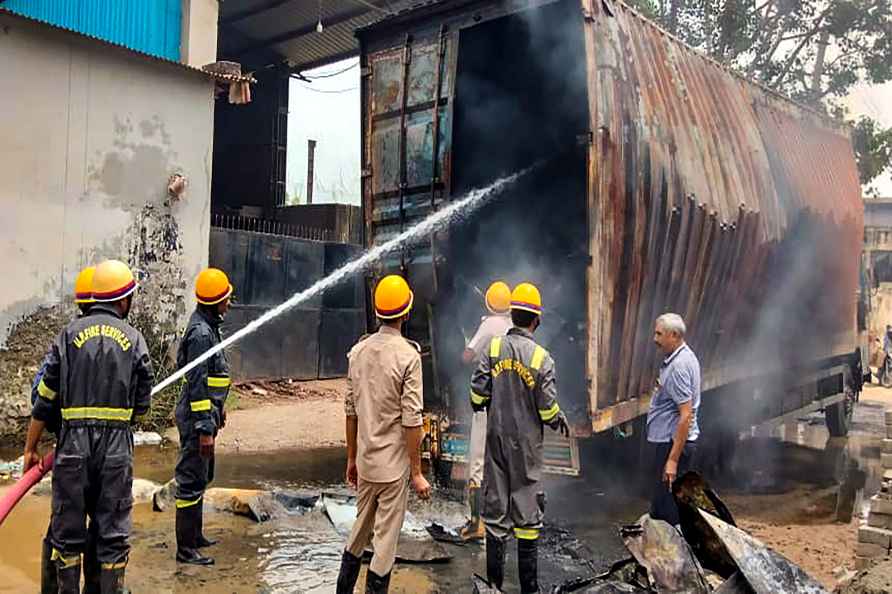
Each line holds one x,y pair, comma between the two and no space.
498,297
83,286
112,281
393,297
525,297
212,286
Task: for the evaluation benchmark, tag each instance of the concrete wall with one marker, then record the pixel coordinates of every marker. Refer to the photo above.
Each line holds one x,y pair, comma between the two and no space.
198,41
90,136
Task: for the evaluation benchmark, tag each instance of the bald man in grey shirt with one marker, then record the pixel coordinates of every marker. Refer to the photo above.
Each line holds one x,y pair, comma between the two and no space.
672,423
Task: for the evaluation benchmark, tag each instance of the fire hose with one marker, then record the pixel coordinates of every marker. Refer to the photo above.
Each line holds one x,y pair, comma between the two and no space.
23,485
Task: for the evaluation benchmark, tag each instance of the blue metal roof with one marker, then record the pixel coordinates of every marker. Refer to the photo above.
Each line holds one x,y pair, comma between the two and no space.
148,26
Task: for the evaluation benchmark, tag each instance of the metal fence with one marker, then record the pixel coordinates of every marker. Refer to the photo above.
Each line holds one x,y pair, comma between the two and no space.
270,227
308,342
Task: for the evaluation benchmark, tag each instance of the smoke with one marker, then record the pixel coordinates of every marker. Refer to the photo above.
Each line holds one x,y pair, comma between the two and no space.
520,98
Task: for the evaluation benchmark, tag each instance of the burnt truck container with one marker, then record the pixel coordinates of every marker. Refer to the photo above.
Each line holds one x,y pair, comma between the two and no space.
662,181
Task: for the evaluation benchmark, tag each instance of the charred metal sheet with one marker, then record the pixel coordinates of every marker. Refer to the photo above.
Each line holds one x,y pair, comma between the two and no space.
766,571
736,584
693,494
670,563
751,181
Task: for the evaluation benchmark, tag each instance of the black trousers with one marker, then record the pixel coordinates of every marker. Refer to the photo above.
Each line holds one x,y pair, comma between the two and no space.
662,503
193,473
93,478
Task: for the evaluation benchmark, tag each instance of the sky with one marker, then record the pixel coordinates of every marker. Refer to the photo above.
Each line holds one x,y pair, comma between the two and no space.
327,109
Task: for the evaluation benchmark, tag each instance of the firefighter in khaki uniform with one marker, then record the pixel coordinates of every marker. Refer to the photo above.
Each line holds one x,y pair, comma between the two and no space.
516,383
497,323
383,406
98,377
200,412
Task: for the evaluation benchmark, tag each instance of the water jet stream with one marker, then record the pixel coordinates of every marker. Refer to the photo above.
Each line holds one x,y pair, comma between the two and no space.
452,213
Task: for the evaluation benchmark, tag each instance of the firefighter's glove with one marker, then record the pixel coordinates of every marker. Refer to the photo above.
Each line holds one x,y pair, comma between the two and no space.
206,446
559,423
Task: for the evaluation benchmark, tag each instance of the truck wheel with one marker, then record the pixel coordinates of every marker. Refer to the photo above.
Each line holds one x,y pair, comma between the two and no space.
838,417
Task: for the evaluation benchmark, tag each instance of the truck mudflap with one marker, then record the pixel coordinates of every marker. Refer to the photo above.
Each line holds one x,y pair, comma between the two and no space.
561,453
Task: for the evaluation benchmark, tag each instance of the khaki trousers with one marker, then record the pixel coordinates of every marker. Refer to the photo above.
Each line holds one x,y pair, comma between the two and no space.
477,448
381,508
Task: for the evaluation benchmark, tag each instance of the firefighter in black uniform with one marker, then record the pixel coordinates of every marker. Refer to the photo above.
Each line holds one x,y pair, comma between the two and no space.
98,377
200,412
83,297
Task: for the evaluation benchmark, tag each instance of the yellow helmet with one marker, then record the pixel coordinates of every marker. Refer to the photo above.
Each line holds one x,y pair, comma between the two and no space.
112,281
526,297
498,297
393,297
83,285
212,286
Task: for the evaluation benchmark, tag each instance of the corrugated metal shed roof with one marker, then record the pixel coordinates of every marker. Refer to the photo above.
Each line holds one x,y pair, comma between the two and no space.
261,31
148,26
176,64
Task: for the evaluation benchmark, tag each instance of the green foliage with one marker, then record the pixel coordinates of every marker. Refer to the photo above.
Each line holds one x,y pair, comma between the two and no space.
814,51
873,148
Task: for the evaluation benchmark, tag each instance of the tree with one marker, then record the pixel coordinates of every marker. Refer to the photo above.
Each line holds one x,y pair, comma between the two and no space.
814,51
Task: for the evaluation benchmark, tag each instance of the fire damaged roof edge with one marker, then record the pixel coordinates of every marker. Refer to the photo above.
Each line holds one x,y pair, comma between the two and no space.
5,12
413,11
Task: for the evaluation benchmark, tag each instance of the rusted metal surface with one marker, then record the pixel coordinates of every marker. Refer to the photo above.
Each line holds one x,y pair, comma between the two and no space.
766,571
749,181
708,195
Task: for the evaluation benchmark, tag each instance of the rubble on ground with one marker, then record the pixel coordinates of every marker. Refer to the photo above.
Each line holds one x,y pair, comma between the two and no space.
337,509
709,553
146,438
876,579
291,389
20,358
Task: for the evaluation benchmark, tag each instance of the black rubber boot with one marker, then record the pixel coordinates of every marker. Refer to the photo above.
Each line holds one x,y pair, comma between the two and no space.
376,584
49,580
111,580
187,537
92,568
528,565
69,577
495,561
349,573
203,542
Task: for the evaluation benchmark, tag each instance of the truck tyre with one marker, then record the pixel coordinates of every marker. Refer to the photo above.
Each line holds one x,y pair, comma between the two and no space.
838,417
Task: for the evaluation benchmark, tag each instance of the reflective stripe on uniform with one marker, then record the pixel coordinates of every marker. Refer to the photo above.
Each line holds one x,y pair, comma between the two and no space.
495,346
526,533
218,382
181,503
98,413
538,356
478,399
549,413
66,562
111,566
45,391
201,405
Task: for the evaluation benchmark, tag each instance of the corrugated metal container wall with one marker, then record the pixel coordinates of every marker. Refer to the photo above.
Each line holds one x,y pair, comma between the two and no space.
714,198
148,26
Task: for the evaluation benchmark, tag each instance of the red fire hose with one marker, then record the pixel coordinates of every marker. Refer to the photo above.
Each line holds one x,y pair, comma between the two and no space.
24,484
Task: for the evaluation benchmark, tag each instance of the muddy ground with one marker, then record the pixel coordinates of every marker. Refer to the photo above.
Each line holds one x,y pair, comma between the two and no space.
784,489
282,414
